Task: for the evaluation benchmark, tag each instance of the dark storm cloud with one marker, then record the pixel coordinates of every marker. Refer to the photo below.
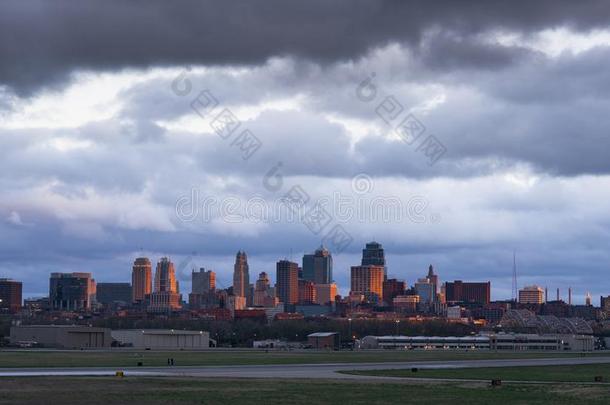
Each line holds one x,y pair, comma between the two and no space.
448,51
41,42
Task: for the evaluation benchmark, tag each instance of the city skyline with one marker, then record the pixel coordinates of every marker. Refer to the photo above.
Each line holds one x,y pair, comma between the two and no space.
566,293
454,143
266,201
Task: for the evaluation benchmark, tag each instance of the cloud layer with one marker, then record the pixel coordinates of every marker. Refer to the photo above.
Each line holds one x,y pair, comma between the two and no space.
98,145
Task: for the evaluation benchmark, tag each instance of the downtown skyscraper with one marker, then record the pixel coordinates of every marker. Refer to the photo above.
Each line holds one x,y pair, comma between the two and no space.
373,255
203,281
287,283
166,295
318,267
141,279
241,275
367,281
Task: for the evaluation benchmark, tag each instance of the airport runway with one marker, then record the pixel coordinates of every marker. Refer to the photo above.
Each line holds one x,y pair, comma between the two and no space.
293,371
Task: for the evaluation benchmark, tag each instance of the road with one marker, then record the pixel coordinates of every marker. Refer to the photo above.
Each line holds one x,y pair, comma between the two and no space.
293,371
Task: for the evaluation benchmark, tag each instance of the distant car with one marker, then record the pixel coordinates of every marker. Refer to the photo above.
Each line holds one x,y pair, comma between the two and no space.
26,344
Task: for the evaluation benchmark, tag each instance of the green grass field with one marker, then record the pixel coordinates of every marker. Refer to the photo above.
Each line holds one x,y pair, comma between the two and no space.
115,358
112,390
578,373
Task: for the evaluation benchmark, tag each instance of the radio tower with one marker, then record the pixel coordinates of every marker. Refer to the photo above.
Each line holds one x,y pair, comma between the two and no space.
515,292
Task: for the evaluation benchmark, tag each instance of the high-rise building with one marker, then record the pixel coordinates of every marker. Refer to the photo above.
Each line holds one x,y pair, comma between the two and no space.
476,293
318,267
71,291
326,293
235,303
203,281
113,293
166,295
531,295
287,282
368,281
433,280
307,292
373,255
141,279
10,295
165,276
425,289
241,275
263,294
392,288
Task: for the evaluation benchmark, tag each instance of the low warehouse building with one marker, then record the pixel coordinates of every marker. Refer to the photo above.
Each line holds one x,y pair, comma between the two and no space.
162,338
500,342
61,336
425,342
324,340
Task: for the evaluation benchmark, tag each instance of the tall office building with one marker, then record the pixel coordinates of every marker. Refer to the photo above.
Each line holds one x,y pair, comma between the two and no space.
10,295
241,275
531,295
392,288
71,291
165,276
318,267
307,292
368,281
141,279
433,278
373,255
325,293
166,295
263,293
287,282
203,281
425,289
476,293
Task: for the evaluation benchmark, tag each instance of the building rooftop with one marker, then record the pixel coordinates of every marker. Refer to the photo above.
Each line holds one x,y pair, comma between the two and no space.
322,334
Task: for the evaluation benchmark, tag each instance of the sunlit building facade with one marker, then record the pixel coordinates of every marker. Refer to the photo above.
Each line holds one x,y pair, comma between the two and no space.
368,281
287,282
141,279
166,296
531,295
72,291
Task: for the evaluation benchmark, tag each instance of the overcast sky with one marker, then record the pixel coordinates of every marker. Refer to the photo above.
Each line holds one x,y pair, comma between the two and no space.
111,148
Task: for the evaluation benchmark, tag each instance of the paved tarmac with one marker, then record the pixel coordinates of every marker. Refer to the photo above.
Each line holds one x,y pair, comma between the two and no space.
293,371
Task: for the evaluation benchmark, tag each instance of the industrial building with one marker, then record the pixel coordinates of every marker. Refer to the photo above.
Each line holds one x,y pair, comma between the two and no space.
519,342
61,336
162,338
324,340
500,342
424,342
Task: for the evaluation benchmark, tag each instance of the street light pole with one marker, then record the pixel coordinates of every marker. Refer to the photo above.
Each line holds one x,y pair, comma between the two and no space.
350,331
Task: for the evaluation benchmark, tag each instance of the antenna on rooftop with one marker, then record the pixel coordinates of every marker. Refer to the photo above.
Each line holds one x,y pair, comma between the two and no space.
514,292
